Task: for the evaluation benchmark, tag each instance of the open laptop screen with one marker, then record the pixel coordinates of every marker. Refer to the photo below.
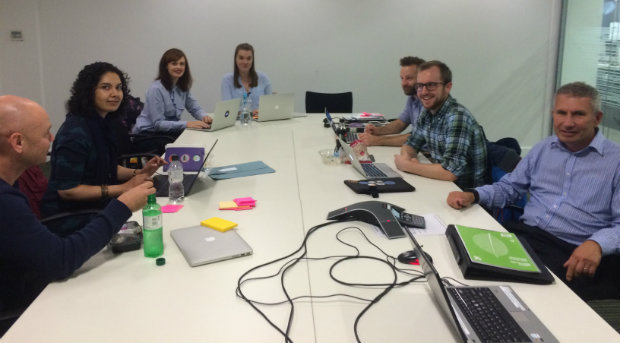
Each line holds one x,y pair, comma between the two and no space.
436,286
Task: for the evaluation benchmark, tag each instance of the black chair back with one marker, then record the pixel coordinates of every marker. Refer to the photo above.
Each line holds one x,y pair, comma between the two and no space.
334,102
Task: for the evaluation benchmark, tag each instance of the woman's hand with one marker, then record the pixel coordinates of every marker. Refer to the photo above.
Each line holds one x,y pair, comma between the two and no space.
152,165
137,179
135,197
198,124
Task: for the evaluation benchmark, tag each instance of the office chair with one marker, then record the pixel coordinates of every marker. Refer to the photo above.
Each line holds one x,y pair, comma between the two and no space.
502,158
133,147
33,184
334,102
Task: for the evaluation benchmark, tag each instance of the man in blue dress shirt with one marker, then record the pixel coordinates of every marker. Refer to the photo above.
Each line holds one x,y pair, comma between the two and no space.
572,218
390,134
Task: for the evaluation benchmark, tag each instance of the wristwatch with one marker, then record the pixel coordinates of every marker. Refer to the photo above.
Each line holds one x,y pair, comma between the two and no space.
475,193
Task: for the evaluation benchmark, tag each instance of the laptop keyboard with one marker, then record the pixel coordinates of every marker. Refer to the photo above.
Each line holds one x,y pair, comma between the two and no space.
350,137
485,313
372,171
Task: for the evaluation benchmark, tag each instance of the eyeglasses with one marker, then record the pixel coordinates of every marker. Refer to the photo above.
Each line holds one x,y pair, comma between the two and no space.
431,86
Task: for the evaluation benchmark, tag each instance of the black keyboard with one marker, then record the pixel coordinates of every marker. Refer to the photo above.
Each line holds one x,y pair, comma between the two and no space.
371,170
488,317
350,137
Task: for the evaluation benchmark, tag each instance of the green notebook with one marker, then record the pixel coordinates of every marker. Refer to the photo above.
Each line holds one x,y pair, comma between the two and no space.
498,249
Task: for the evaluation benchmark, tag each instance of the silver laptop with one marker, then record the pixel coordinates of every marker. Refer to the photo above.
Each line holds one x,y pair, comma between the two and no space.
201,245
162,185
368,170
225,115
275,107
454,302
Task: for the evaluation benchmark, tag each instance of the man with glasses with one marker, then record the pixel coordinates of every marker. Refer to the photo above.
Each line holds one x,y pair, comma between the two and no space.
454,139
572,217
390,134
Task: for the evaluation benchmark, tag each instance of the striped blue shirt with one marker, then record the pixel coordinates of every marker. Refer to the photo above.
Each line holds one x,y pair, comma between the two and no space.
573,195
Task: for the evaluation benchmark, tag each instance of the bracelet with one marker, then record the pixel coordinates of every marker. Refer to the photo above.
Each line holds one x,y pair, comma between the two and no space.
475,193
104,192
135,171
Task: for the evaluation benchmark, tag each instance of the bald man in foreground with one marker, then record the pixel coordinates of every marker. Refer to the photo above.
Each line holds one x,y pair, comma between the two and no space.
30,255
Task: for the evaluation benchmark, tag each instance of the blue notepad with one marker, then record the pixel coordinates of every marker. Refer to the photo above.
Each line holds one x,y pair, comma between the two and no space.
240,170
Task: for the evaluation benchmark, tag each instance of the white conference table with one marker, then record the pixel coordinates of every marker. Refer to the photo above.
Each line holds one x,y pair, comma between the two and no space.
127,298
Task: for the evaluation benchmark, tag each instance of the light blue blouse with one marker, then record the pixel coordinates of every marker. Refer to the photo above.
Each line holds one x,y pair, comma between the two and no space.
230,92
162,109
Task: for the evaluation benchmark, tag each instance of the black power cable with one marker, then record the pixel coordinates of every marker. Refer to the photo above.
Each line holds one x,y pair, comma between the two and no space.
290,262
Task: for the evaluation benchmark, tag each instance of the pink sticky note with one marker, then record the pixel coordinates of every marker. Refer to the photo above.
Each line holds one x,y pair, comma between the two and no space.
171,208
243,208
245,201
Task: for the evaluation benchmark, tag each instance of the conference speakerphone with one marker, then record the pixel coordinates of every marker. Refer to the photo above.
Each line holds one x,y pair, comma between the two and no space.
373,212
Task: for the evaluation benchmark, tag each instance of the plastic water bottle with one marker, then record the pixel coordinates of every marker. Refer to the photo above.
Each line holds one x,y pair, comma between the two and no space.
152,228
176,192
246,110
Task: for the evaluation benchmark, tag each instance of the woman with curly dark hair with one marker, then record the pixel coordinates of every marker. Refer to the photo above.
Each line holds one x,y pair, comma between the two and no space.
84,164
167,98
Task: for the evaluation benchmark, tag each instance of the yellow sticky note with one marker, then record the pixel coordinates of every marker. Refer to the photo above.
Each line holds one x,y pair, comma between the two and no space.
218,224
228,205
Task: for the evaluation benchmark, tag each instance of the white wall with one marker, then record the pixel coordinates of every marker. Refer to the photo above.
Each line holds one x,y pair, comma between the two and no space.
20,68
501,52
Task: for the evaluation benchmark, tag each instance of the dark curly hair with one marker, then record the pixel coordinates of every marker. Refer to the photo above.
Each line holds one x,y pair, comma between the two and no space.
82,100
171,55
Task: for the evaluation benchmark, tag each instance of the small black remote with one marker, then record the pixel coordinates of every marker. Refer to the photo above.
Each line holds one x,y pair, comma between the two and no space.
412,220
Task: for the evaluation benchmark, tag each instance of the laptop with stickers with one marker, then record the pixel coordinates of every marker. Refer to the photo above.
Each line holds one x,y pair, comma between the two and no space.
225,115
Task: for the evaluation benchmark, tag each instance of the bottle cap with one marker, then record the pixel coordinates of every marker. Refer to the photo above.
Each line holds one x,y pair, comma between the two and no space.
160,261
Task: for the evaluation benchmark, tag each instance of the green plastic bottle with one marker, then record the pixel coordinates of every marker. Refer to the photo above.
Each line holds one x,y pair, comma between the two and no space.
152,230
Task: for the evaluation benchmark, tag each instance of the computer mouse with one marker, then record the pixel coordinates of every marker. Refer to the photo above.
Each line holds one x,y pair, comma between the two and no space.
408,257
411,257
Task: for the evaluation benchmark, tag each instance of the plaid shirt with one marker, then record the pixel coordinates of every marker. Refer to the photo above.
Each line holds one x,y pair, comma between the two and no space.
455,140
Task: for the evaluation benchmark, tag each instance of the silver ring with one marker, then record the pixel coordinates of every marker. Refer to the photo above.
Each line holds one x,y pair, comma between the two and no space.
586,268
